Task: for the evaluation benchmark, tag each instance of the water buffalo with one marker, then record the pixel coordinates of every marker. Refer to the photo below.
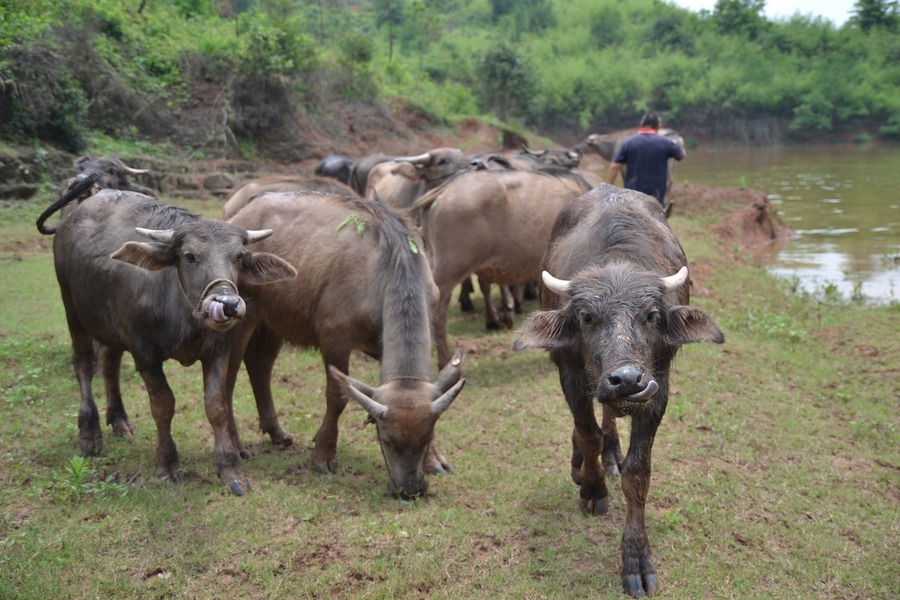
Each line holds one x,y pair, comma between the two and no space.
366,286
154,280
433,166
530,160
400,182
495,224
280,183
614,313
335,166
104,173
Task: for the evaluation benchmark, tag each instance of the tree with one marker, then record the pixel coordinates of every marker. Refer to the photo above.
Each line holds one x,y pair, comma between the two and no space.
739,17
425,26
876,13
390,13
507,83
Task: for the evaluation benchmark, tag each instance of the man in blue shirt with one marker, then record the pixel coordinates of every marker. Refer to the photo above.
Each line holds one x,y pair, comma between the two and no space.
645,156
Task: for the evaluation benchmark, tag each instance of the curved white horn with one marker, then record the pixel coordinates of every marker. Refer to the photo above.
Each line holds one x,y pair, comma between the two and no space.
132,171
673,282
254,235
376,409
159,235
558,286
414,159
443,402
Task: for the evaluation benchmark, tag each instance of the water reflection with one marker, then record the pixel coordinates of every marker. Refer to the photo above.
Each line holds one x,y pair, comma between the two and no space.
842,201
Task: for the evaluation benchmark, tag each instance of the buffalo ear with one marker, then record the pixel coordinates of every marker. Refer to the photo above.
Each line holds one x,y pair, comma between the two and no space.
545,330
688,324
146,255
262,267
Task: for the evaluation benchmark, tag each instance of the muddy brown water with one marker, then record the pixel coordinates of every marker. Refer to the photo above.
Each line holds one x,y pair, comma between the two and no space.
843,201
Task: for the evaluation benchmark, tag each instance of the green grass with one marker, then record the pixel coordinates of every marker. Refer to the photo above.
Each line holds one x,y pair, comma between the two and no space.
776,469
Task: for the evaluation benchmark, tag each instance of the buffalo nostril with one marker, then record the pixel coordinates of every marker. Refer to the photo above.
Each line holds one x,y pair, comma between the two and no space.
625,376
231,304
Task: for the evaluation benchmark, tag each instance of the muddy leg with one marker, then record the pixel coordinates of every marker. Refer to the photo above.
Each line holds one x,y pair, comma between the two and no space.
221,417
325,452
439,325
116,417
259,358
587,444
491,318
507,310
612,449
90,436
465,295
638,572
162,406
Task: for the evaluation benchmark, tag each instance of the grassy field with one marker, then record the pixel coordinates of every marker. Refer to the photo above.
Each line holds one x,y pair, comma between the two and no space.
776,469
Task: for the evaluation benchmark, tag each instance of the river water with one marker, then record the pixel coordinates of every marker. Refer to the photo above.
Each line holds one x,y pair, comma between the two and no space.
843,201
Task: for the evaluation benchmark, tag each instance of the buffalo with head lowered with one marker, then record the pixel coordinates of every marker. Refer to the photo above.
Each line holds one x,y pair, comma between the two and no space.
364,285
615,311
154,280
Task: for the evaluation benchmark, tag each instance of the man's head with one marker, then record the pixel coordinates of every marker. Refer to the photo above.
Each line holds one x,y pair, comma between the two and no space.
651,120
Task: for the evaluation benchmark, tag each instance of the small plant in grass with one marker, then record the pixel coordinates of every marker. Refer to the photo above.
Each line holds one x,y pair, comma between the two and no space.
80,479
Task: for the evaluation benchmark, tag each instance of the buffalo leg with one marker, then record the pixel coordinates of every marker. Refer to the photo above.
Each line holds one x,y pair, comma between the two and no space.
439,325
90,436
638,573
162,406
491,318
325,452
507,310
221,417
116,417
465,295
587,444
612,449
259,358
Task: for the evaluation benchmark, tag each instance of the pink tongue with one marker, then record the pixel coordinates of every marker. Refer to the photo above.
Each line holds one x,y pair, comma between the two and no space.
217,311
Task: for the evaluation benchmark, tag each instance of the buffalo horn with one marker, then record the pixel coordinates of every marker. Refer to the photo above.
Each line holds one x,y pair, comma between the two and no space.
558,286
443,402
376,409
158,235
134,171
450,373
254,235
421,158
673,282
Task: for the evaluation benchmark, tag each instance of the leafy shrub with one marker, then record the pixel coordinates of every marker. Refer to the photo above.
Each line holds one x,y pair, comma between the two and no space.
891,129
42,100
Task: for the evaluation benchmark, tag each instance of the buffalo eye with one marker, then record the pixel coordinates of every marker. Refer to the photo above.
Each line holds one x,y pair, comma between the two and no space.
585,317
654,317
189,257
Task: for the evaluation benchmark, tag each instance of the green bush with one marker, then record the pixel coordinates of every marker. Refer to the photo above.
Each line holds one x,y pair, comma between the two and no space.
41,100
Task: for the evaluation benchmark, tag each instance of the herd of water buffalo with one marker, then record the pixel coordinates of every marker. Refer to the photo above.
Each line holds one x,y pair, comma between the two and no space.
364,256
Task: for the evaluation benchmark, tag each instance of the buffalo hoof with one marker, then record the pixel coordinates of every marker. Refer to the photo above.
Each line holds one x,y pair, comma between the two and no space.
328,467
638,586
123,428
612,469
239,488
244,453
466,306
282,439
173,478
595,506
91,446
436,464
